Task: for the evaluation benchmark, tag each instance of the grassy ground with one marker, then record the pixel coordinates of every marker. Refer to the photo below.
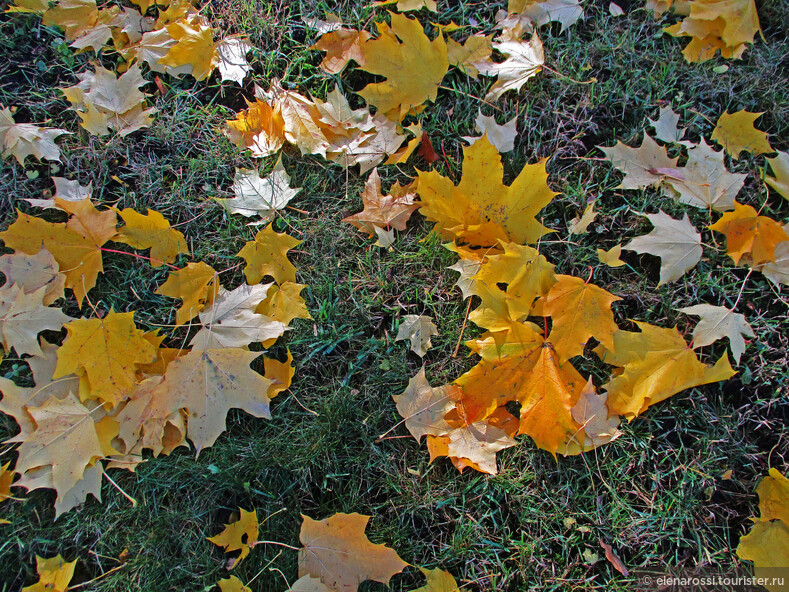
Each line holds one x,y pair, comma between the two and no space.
656,494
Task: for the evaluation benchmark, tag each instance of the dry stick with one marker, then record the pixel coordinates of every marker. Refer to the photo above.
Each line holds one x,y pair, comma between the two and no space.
460,92
590,81
106,573
462,329
742,288
256,543
118,487
137,256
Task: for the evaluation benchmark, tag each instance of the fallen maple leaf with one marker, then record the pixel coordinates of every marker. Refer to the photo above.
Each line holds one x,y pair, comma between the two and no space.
260,128
778,270
657,364
598,425
308,584
239,535
580,224
31,272
232,59
750,235
196,284
108,351
780,179
382,211
611,256
644,166
231,321
338,553
407,5
54,575
25,139
418,330
541,12
260,196
666,128
501,136
676,242
475,49
524,60
73,16
482,210
65,190
579,310
423,407
104,101
767,544
736,132
284,303
6,479
341,46
23,316
267,256
438,580
716,323
390,54
152,231
194,47
232,584
704,181
66,439
207,384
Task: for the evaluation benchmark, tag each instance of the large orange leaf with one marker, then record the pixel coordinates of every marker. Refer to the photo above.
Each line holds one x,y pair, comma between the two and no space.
579,310
750,235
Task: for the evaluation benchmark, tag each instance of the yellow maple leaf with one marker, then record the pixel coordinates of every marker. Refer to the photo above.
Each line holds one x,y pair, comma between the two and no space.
579,310
767,544
196,284
611,257
750,235
240,535
337,551
108,350
341,46
154,232
232,584
73,16
391,55
54,575
279,373
195,47
6,478
77,255
481,210
736,132
438,580
267,255
259,128
657,364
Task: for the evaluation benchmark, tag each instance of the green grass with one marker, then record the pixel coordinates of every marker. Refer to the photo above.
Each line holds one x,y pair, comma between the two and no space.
656,494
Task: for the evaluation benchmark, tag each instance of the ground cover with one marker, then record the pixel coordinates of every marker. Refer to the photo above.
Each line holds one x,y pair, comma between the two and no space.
660,494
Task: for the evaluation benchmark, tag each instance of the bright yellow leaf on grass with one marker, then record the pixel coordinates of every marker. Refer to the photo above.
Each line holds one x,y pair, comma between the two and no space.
481,210
195,47
73,16
438,580
54,575
267,255
232,584
657,364
736,132
750,235
341,46
240,535
393,55
767,545
6,478
78,255
611,257
108,350
259,128
279,373
196,284
154,232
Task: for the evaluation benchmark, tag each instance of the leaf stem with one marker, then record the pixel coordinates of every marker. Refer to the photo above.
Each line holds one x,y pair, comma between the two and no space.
138,256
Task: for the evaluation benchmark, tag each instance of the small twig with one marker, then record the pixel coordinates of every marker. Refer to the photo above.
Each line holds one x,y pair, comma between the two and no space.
106,573
138,256
460,92
742,288
462,330
256,543
118,487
